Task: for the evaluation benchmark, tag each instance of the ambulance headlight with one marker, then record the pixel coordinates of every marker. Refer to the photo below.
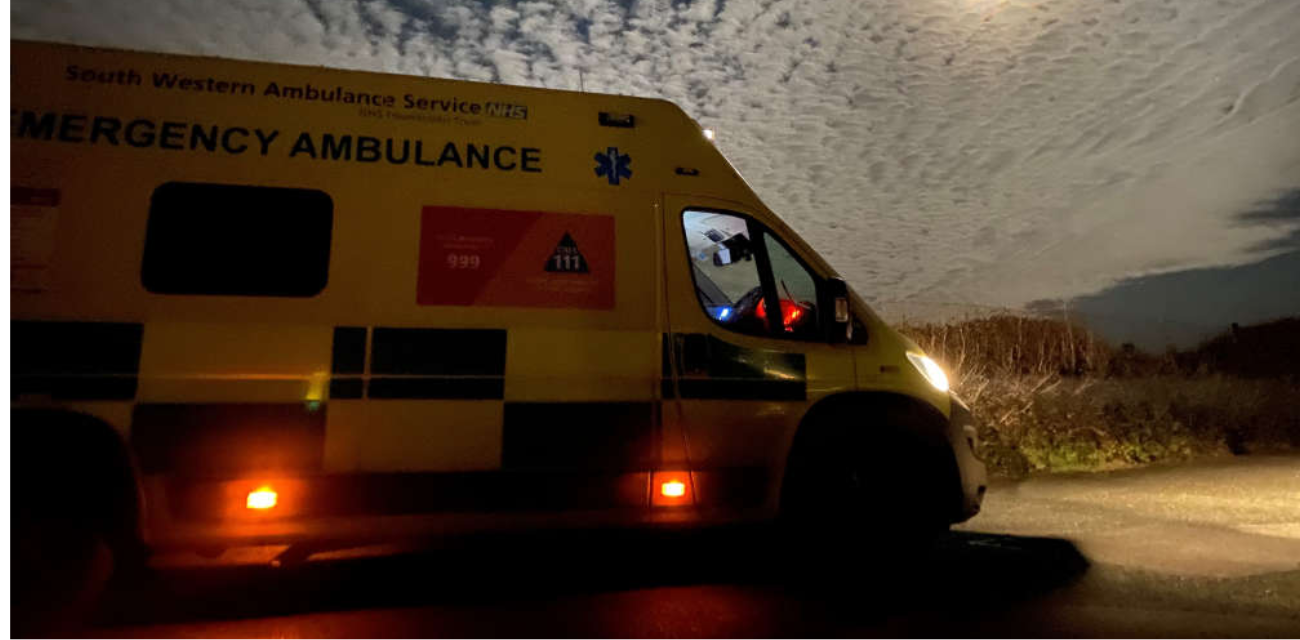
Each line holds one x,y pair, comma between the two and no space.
930,370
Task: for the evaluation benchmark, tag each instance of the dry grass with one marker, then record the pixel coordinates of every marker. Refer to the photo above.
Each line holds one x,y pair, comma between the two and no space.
1050,396
1005,345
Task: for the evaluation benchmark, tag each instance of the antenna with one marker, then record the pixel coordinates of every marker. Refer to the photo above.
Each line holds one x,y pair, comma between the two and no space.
581,86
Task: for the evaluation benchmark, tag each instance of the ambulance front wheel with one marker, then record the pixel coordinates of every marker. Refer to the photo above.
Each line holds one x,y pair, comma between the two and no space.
864,491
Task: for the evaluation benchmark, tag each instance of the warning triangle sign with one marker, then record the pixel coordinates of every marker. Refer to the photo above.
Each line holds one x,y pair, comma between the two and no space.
566,258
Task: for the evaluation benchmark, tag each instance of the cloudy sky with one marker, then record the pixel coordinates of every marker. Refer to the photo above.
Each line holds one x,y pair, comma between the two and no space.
938,152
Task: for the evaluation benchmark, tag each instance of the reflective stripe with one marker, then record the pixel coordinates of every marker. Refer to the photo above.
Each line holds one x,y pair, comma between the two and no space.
76,360
419,363
347,388
229,362
714,369
77,387
438,352
437,388
349,352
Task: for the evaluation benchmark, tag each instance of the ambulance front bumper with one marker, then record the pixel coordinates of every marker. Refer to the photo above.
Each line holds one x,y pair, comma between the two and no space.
973,474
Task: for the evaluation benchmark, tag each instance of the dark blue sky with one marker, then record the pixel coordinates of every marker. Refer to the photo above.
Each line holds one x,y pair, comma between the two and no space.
1184,307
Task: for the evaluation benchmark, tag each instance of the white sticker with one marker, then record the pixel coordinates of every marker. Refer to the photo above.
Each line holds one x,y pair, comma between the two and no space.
34,218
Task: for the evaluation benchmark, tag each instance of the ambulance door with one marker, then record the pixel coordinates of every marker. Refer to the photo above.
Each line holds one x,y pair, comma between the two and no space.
745,354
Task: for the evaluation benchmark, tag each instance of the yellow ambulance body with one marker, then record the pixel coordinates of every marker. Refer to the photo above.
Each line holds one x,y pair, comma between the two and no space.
258,303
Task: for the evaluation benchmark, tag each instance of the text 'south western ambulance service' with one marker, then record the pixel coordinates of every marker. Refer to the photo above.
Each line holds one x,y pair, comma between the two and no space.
267,304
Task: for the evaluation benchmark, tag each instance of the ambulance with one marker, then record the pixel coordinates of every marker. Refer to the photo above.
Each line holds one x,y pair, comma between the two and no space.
258,304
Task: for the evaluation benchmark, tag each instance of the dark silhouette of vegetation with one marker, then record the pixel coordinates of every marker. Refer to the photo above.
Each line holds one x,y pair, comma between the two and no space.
1269,350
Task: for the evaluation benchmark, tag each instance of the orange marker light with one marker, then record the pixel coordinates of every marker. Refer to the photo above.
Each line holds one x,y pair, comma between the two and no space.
672,489
262,498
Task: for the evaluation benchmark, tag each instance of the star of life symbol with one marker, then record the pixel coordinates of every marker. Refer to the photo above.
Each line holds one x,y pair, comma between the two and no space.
613,166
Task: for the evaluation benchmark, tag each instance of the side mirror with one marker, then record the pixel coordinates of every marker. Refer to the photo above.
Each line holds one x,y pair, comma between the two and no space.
840,327
733,250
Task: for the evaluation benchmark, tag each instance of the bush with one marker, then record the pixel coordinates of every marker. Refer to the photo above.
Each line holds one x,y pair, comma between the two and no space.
1003,345
1050,396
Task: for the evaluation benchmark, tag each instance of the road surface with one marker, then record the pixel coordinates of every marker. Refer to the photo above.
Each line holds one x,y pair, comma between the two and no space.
1210,549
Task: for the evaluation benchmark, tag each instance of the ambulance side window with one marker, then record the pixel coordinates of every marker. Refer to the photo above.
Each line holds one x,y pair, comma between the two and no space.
217,239
797,290
728,256
724,269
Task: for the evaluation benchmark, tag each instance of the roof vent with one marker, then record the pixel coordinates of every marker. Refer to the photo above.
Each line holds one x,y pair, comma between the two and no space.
619,120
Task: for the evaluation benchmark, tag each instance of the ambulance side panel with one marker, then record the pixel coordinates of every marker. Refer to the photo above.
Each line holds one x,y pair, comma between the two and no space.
384,373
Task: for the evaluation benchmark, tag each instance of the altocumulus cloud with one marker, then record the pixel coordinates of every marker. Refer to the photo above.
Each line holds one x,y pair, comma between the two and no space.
991,151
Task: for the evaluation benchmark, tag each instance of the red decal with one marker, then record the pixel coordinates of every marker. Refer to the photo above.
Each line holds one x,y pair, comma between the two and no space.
493,257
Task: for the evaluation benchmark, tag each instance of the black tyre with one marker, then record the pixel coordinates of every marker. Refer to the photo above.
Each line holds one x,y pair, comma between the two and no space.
860,491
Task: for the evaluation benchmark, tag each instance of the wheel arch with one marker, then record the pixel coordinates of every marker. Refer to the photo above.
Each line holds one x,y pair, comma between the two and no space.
85,456
897,416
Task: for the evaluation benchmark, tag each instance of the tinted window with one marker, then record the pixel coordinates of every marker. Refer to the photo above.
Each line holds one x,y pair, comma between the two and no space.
215,239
